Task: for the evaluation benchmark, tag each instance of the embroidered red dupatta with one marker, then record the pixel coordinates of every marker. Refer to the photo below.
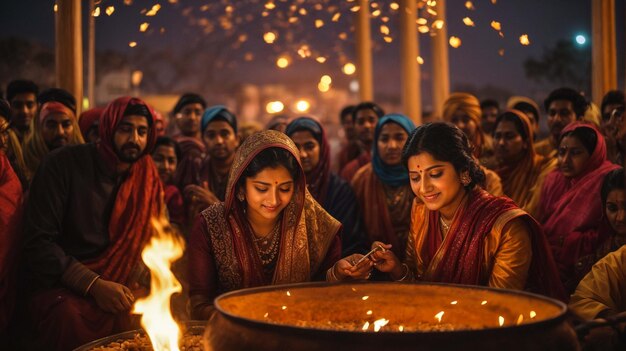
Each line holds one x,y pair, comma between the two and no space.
306,235
459,258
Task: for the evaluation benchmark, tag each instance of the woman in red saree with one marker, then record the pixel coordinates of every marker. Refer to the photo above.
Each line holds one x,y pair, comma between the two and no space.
461,234
570,201
269,230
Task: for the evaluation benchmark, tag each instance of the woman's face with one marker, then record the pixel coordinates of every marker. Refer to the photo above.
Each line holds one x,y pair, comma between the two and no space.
390,143
615,209
435,182
573,156
268,193
509,146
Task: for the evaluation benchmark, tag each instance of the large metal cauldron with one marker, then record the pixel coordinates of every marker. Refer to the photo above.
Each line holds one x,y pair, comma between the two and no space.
314,316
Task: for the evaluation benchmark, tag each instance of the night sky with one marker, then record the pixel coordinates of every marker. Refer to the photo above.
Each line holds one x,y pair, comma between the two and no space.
476,61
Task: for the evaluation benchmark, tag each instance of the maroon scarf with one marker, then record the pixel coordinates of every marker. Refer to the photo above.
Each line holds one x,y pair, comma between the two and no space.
462,260
139,198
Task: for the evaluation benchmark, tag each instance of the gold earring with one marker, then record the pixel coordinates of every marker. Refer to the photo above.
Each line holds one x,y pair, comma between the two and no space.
240,196
465,179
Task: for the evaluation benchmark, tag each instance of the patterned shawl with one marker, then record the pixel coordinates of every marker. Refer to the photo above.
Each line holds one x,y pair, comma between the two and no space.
138,199
307,231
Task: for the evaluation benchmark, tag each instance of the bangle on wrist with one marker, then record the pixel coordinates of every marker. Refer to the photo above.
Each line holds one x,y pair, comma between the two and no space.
331,273
406,272
90,285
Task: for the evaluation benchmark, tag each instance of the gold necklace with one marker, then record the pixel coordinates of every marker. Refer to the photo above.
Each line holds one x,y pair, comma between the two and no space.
444,226
267,246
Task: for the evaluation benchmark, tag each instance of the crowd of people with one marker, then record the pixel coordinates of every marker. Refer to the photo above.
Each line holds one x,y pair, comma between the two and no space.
473,198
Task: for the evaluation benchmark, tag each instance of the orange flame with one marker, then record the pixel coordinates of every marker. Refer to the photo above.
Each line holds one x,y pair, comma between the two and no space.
163,249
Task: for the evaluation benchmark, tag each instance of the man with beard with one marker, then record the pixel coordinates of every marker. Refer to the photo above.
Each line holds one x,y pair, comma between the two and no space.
365,116
219,133
85,223
55,127
564,106
187,114
22,95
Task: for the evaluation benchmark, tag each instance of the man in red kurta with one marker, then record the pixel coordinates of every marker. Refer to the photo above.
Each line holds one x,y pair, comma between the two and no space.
86,221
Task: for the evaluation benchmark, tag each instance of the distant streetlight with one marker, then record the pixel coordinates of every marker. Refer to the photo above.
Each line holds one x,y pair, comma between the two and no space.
580,39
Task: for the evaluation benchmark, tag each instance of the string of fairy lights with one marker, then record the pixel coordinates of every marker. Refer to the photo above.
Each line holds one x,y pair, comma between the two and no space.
317,30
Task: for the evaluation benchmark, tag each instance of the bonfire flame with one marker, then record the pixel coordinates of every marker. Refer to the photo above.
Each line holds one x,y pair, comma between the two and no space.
164,248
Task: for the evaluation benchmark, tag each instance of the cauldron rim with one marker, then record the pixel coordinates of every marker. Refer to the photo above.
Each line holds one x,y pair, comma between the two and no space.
193,325
557,319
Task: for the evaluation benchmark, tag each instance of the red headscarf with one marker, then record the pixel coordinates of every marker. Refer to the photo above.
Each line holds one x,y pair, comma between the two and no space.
54,107
88,118
139,198
572,207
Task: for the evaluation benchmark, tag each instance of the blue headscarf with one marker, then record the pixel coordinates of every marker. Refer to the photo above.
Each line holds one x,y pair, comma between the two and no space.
396,175
218,111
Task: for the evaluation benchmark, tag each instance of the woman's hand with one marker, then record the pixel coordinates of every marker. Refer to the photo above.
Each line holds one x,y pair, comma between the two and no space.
347,268
386,261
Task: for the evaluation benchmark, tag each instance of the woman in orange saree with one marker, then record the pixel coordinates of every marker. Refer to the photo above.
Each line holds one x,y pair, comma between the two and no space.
461,234
269,230
521,169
